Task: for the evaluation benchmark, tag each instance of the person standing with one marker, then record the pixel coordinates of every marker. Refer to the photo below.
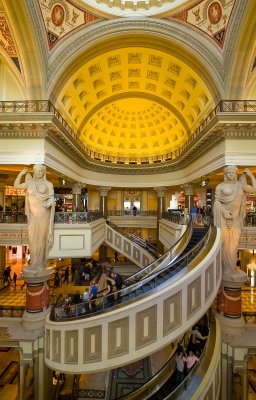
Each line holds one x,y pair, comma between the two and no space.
66,275
180,366
14,279
93,295
191,360
109,292
193,212
56,280
118,282
196,339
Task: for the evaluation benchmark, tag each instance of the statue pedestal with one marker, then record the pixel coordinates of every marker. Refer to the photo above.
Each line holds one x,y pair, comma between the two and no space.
229,305
37,297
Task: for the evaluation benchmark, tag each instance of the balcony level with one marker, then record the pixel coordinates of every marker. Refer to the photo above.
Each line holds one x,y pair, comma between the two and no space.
133,330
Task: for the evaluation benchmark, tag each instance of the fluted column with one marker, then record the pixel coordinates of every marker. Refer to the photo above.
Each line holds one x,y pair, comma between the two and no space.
161,192
76,191
189,195
244,379
22,380
103,190
229,377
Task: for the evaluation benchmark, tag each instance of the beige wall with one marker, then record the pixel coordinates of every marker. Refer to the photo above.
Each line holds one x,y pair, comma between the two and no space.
93,199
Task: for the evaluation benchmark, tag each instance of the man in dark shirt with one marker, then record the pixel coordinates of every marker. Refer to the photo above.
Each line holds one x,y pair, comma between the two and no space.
118,281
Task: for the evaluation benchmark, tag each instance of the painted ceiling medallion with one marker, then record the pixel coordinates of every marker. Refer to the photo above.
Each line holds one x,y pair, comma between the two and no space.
57,15
62,17
211,17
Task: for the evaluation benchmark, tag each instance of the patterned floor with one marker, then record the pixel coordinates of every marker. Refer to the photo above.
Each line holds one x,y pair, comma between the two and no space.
128,378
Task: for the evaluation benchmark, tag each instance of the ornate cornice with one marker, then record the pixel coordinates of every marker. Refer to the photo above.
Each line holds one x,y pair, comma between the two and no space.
195,149
169,30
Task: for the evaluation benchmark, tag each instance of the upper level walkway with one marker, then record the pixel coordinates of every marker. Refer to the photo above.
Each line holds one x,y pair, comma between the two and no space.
142,325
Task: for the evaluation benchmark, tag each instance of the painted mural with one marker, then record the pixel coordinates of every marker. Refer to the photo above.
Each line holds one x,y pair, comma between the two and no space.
7,42
62,17
212,17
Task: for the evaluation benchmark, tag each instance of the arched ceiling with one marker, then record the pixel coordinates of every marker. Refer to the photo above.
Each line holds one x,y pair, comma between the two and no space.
134,102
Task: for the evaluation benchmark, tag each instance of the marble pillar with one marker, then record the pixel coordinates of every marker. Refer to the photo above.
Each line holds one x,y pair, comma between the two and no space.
189,196
103,190
244,380
77,197
161,207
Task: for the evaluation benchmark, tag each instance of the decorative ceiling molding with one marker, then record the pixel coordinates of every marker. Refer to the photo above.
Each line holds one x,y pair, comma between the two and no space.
146,31
208,138
7,41
61,18
211,17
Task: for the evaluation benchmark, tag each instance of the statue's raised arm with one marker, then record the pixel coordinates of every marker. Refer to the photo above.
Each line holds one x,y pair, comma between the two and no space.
39,208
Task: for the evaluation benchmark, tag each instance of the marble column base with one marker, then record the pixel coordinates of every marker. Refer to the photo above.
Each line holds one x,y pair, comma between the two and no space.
37,297
34,321
231,326
229,304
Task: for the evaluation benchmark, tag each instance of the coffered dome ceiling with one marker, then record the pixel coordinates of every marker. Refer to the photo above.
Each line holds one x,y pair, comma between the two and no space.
134,103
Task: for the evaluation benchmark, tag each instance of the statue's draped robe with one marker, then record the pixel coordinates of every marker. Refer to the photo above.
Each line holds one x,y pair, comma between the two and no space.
230,229
40,223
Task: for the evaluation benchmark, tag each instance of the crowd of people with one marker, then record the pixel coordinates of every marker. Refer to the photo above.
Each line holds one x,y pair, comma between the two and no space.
104,286
201,214
185,360
8,279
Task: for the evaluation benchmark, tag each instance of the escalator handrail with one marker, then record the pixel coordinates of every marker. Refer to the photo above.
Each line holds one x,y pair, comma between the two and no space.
153,277
161,377
135,239
150,268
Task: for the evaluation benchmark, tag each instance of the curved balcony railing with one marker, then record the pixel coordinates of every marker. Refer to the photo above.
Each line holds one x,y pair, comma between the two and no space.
166,259
59,217
124,213
45,106
134,290
177,217
77,217
9,217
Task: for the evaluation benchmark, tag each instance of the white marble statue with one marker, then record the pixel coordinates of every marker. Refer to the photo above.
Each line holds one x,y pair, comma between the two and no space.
229,213
39,208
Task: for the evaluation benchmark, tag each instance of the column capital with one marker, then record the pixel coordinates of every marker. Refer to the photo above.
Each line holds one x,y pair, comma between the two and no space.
77,187
161,191
103,190
188,188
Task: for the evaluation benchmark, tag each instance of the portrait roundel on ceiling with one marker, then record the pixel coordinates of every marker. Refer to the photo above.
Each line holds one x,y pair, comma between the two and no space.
215,12
57,15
